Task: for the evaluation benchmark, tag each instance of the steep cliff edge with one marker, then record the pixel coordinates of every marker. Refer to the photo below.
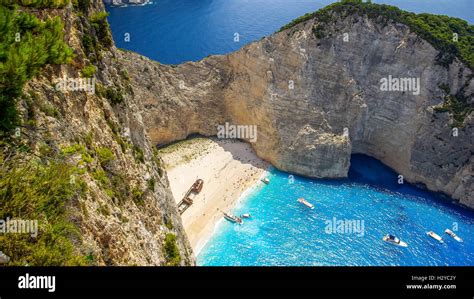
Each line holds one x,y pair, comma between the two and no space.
80,162
335,74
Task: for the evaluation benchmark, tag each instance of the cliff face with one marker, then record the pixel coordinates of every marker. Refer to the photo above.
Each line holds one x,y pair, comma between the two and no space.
127,214
336,82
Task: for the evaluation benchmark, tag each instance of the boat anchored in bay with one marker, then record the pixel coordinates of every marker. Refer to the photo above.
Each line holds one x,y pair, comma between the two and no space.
246,215
452,234
306,203
391,239
233,219
435,236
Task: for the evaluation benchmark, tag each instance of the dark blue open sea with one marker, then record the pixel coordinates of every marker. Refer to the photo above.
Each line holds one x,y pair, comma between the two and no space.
282,231
174,31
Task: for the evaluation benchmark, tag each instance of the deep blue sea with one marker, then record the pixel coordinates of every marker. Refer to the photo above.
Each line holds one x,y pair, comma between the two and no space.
283,232
174,31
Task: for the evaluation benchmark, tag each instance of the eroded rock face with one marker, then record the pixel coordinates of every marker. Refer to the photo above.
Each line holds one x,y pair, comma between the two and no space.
124,216
303,93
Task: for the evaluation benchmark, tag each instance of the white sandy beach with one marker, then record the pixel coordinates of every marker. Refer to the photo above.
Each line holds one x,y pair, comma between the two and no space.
228,168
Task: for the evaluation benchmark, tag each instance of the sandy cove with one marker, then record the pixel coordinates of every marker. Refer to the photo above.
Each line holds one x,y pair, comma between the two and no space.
228,168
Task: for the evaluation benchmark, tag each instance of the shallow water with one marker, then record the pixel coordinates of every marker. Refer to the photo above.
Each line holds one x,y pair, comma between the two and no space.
284,232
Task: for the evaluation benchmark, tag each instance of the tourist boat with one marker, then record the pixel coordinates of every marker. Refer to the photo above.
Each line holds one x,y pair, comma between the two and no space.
435,236
245,216
306,203
233,219
391,239
266,180
452,234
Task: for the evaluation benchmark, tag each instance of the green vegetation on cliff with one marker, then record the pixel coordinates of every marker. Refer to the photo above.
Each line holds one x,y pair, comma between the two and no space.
172,255
101,27
438,30
96,35
26,45
457,105
37,3
39,190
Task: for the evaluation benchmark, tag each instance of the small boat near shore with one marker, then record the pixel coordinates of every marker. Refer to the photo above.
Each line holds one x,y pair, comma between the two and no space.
391,239
247,215
233,219
452,234
265,180
435,236
306,203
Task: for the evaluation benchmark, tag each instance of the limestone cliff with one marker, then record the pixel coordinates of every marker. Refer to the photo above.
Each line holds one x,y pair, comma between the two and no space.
126,213
315,99
336,85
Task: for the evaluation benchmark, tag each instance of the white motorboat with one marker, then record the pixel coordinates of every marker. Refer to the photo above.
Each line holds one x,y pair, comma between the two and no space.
233,219
391,239
247,215
452,234
266,180
306,203
435,236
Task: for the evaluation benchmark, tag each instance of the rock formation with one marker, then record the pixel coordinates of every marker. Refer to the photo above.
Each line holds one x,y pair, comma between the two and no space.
127,214
336,87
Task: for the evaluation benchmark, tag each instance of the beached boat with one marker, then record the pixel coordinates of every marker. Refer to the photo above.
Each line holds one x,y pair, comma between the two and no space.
233,219
435,236
266,180
306,203
452,234
391,239
197,186
188,198
245,216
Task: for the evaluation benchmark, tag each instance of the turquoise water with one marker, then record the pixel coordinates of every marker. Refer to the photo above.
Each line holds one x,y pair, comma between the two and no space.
174,31
284,232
